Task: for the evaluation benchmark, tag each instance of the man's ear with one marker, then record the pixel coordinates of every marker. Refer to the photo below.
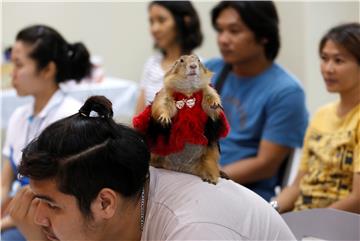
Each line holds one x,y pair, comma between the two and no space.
264,41
187,19
49,71
105,204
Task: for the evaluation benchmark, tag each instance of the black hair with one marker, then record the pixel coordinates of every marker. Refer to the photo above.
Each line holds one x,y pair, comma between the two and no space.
86,152
72,60
347,35
188,32
260,17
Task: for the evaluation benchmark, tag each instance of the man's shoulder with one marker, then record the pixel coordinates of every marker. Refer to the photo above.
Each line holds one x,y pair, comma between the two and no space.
191,191
214,63
277,84
284,77
183,200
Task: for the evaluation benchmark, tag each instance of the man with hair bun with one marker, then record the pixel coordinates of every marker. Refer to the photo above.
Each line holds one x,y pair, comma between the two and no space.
90,180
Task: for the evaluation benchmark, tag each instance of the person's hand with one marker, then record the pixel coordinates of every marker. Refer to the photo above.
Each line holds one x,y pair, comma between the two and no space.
4,207
22,210
6,223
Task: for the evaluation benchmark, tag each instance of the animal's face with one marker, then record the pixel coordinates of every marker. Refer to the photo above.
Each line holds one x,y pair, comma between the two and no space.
187,74
191,65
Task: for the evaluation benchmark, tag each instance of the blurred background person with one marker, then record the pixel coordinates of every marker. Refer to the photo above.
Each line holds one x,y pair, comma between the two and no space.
42,59
175,27
329,172
264,103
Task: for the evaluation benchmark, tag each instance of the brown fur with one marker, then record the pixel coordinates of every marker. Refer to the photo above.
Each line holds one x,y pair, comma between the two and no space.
164,109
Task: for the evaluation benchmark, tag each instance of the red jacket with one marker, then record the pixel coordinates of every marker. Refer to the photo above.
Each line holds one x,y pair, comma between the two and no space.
187,126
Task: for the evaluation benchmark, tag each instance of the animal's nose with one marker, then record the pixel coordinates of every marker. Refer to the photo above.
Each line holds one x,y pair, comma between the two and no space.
193,66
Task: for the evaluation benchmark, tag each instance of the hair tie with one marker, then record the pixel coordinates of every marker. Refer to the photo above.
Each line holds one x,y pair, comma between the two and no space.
70,53
94,114
19,176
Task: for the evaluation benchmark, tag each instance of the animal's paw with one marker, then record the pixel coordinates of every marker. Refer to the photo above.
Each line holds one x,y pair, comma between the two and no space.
213,102
210,181
157,161
208,177
164,119
224,175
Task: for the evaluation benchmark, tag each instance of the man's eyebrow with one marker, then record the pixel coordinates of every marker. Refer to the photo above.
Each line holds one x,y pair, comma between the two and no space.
230,25
44,197
335,54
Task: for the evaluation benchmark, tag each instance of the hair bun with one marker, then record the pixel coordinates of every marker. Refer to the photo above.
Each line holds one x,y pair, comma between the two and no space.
79,65
97,106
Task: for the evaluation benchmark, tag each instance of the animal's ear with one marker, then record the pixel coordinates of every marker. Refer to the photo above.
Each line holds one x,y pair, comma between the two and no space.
173,69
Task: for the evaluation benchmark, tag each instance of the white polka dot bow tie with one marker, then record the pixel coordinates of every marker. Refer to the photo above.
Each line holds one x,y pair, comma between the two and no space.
188,102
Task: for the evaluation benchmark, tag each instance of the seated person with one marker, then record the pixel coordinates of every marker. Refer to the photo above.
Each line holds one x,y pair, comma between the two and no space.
42,60
264,103
90,180
329,173
175,28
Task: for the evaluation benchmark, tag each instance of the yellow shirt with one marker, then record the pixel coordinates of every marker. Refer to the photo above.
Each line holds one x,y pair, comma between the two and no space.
331,156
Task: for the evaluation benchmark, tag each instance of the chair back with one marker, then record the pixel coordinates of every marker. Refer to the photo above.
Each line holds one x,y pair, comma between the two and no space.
288,170
323,223
291,168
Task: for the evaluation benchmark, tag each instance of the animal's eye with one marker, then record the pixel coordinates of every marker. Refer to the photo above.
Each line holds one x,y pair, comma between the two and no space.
182,60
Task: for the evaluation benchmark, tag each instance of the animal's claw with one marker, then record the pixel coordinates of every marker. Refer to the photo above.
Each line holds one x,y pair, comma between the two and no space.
164,119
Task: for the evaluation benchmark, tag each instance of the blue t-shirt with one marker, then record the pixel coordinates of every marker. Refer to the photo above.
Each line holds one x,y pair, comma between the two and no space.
269,106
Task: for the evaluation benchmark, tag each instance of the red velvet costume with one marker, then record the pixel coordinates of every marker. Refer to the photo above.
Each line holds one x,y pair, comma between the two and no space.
187,126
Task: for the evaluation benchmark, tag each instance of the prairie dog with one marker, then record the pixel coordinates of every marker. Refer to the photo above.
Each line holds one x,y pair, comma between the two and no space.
185,121
187,76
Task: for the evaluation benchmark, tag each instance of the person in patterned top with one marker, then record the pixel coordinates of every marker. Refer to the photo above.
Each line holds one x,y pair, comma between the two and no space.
329,173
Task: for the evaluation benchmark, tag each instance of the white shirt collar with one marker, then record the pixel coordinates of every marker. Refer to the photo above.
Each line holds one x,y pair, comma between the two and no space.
55,100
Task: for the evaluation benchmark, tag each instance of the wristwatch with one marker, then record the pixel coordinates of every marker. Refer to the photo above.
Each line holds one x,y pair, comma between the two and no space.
275,205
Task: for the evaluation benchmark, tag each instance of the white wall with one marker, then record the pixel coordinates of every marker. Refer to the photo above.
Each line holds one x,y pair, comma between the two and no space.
118,31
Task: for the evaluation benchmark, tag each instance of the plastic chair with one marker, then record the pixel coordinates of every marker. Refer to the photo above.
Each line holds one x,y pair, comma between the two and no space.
323,223
288,170
292,168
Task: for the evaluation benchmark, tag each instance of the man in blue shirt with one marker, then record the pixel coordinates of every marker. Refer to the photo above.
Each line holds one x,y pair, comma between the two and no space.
265,105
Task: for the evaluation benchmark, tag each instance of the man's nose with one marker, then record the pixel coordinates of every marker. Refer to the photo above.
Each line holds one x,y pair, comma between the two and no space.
40,217
223,38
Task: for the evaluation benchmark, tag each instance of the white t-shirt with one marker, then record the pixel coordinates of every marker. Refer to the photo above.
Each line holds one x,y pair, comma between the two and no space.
183,207
152,77
23,126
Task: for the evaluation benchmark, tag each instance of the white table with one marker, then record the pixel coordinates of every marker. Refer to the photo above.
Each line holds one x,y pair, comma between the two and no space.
122,93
